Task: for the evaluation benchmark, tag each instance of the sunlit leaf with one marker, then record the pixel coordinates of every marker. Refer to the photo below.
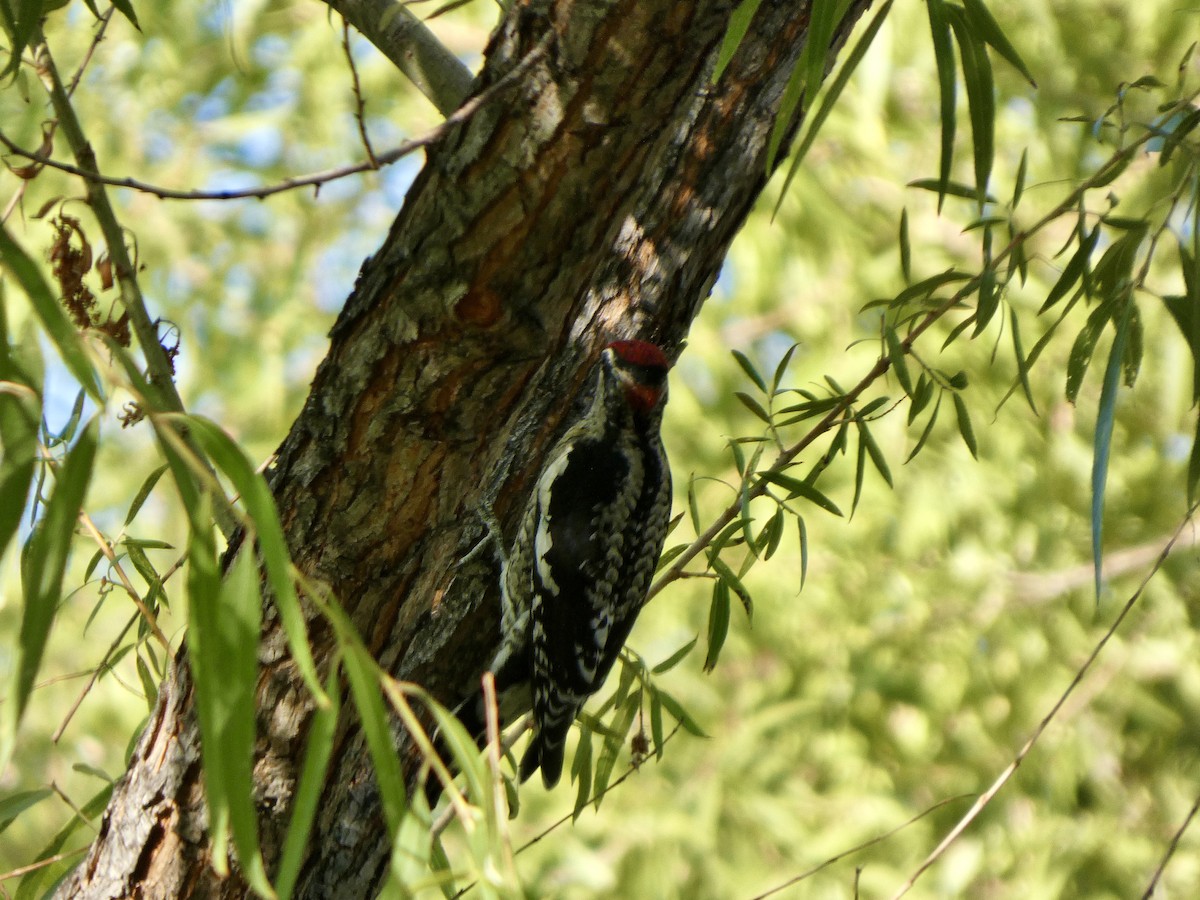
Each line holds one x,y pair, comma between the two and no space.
718,623
1019,356
981,99
734,584
751,372
798,488
1073,270
144,492
964,424
1102,444
988,29
739,24
675,658
43,565
943,52
260,505
1084,346
830,96
897,357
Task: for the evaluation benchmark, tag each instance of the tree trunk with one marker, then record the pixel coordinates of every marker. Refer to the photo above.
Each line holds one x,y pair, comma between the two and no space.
594,198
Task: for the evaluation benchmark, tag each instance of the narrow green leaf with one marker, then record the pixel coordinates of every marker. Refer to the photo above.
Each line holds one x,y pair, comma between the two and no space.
58,327
656,724
125,8
1019,187
1073,270
718,623
1131,362
362,673
950,189
613,744
693,508
40,882
739,24
318,748
753,405
905,248
21,24
928,431
822,18
897,357
774,533
1114,272
234,636
792,93
67,433
989,297
739,457
981,99
988,29
144,492
920,397
43,565
675,658
803,535
830,96
943,52
149,684
781,369
876,454
1193,473
260,505
15,804
204,642
1180,127
464,752
1084,346
681,715
748,367
20,412
964,425
1186,313
734,583
1103,439
860,471
1019,356
798,488
581,770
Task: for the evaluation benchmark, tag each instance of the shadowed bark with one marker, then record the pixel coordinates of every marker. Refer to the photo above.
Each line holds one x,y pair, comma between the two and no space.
594,199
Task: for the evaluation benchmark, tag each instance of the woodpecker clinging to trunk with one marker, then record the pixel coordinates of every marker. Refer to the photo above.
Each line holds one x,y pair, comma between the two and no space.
577,574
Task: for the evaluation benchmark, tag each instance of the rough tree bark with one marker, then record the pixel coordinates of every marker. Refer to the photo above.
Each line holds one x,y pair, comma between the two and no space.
595,198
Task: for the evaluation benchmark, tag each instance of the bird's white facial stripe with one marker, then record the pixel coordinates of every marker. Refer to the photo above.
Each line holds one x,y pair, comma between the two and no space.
541,539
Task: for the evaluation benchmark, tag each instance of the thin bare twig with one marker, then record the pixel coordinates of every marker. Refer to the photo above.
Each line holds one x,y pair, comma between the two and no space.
41,864
107,550
316,179
986,797
878,839
1162,864
50,127
360,105
95,673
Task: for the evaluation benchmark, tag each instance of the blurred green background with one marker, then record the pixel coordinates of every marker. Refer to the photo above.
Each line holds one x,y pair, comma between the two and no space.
936,627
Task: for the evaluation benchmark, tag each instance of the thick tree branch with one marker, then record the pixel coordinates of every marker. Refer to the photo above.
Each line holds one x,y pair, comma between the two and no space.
413,49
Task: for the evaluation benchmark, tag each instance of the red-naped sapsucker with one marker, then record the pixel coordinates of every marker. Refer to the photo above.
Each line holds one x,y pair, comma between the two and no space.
577,574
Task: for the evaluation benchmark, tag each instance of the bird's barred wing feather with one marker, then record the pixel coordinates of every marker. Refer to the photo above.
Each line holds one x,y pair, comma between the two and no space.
579,550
